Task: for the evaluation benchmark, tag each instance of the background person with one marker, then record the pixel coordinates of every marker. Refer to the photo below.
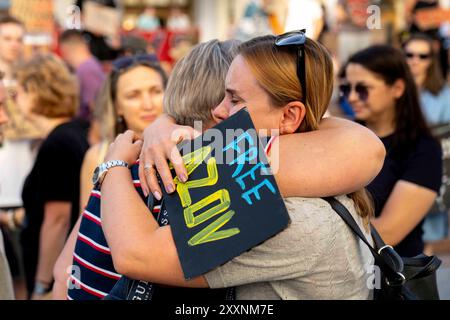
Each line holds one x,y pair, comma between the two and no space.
75,51
434,94
17,153
383,95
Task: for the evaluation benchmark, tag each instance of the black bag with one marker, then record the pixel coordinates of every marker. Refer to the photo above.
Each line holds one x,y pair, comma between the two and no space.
401,278
129,289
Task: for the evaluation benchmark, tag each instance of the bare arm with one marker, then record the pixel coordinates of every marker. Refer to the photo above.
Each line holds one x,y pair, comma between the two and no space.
60,271
406,206
52,237
129,227
341,157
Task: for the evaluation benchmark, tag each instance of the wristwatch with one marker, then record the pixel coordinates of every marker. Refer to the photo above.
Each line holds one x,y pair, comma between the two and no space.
102,169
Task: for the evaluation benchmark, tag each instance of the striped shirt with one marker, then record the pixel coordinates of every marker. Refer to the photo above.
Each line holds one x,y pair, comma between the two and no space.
93,274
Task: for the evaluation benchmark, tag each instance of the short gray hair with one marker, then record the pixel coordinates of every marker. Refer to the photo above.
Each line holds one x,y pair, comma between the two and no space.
197,82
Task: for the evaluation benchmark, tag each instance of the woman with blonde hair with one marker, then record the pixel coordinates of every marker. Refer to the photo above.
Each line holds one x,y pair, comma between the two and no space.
285,83
47,94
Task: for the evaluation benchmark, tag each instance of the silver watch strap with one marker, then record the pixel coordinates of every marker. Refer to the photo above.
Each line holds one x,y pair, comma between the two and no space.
115,163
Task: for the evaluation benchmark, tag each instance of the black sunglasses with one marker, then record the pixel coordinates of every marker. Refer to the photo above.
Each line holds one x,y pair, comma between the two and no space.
296,38
126,62
361,90
422,56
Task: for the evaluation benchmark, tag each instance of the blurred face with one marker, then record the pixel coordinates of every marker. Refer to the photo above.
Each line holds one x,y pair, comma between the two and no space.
11,42
139,97
371,98
3,115
418,56
242,90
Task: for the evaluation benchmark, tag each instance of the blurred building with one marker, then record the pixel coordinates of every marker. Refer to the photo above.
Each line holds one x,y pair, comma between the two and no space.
201,20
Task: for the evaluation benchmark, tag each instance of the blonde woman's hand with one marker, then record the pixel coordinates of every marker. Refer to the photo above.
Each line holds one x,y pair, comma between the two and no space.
160,145
126,147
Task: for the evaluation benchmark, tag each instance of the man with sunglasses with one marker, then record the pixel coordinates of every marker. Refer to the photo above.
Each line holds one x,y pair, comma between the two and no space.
75,51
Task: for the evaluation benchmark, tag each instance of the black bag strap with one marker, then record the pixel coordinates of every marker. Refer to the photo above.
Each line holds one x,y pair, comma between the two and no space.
386,258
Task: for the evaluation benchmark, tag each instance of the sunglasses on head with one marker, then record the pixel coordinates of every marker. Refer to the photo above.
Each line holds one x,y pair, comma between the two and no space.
126,62
421,56
361,90
296,38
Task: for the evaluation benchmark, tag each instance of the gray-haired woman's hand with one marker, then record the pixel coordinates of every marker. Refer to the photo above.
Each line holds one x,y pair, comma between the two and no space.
160,140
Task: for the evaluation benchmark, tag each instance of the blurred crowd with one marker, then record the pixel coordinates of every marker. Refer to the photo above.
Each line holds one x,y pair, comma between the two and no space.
60,111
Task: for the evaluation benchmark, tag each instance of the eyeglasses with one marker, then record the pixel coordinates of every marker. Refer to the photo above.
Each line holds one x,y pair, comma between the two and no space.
422,56
126,62
296,38
361,90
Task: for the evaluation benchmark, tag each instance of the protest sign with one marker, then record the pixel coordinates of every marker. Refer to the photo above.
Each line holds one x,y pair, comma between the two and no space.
37,15
230,203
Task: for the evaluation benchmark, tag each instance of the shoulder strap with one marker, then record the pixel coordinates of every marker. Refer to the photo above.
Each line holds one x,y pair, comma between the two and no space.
389,261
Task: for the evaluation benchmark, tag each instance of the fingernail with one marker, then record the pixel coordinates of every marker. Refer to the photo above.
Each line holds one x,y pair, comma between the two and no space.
145,191
170,188
157,195
183,177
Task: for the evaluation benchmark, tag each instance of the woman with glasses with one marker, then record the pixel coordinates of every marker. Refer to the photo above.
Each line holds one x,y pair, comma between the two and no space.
425,68
131,98
434,95
383,95
285,83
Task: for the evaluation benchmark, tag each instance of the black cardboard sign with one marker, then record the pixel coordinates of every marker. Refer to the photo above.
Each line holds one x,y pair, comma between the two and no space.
230,203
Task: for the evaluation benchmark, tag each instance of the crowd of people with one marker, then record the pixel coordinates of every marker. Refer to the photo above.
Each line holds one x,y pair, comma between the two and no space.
62,117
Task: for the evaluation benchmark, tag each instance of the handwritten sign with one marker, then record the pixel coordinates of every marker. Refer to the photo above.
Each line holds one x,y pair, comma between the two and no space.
101,19
37,15
230,203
